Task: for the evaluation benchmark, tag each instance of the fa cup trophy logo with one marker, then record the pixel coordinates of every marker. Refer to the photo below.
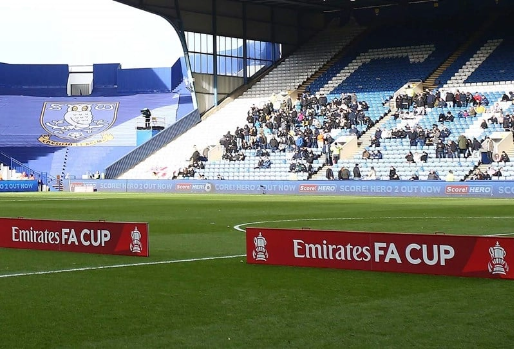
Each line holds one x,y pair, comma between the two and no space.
135,245
497,265
260,253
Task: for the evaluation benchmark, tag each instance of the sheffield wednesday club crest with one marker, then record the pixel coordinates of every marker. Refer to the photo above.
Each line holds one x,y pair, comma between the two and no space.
69,124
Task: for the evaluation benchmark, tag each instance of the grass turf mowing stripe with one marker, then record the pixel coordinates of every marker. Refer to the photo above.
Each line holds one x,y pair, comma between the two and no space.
127,265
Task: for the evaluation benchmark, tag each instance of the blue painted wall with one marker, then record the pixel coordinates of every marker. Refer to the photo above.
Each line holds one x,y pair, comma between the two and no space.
28,79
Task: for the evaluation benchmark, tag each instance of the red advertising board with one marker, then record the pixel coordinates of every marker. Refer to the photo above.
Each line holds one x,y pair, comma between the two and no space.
118,238
458,255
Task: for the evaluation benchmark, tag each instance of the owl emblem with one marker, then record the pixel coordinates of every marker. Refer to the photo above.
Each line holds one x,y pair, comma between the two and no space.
79,116
77,121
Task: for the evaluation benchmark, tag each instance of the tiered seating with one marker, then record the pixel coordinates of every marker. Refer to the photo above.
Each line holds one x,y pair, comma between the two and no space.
474,62
485,62
395,150
22,134
377,73
389,57
507,170
498,66
373,73
291,73
245,170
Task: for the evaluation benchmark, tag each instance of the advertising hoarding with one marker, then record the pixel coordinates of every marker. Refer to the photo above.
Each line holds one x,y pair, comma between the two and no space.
117,238
457,255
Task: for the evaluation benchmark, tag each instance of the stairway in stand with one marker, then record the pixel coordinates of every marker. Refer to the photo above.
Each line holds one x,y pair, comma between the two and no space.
430,82
363,142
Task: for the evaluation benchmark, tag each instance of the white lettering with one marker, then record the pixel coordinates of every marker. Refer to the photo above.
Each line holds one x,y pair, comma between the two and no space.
379,250
408,254
297,247
446,253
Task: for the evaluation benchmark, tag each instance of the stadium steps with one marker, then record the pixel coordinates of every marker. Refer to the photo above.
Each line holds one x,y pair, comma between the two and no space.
364,141
496,165
207,133
304,62
344,50
430,82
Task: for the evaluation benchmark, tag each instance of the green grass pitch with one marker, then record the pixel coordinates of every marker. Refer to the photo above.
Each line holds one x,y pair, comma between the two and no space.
226,303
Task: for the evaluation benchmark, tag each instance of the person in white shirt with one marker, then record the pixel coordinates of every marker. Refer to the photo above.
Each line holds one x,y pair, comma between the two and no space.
372,174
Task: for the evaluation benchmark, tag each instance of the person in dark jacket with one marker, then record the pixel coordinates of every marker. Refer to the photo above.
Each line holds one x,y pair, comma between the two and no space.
356,172
344,174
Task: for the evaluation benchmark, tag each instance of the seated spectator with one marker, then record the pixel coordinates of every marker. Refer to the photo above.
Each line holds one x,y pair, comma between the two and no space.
432,175
497,173
343,174
240,156
356,172
477,175
480,108
463,114
365,154
372,174
493,119
414,177
484,125
409,157
445,133
450,177
273,144
504,157
375,142
392,173
262,152
260,163
329,174
298,167
266,163
376,154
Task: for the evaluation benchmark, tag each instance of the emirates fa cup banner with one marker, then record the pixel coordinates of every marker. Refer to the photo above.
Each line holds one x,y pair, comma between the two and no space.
117,238
458,255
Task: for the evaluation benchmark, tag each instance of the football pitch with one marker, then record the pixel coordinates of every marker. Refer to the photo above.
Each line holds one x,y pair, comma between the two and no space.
196,290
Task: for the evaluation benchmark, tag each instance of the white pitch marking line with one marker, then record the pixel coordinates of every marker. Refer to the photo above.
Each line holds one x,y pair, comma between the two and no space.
504,234
239,227
119,266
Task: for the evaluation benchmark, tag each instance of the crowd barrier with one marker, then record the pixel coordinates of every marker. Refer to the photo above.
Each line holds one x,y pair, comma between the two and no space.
482,189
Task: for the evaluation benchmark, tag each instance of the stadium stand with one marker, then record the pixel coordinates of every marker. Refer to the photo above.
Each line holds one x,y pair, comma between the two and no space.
376,66
383,66
46,131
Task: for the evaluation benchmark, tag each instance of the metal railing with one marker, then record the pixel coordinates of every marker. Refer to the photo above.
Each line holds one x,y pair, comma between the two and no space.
20,167
146,149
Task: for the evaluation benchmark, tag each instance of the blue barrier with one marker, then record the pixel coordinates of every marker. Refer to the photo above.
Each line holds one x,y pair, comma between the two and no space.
18,186
483,189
